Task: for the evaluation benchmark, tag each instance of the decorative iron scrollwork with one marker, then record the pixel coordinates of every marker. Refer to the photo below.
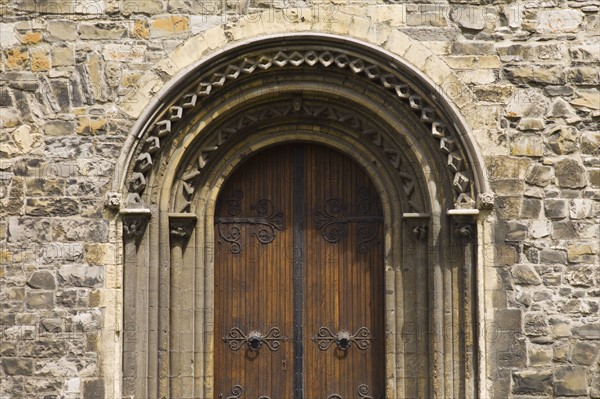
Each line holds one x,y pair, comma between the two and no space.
363,393
268,220
333,223
255,339
237,391
343,339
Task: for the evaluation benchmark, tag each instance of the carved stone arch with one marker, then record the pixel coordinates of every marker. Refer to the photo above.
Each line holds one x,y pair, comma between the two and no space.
333,92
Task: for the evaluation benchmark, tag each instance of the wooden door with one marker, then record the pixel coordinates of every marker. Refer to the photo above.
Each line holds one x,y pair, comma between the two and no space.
299,279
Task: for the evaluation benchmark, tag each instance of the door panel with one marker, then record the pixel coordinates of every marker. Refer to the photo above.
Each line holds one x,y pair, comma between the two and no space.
344,278
326,291
253,270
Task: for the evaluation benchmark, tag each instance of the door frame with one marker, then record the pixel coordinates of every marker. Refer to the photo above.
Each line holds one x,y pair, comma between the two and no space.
168,229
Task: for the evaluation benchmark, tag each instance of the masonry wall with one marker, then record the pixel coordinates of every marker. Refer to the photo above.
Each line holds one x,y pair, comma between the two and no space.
531,72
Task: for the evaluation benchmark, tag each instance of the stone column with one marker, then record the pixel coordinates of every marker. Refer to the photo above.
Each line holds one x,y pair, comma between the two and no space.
134,326
181,298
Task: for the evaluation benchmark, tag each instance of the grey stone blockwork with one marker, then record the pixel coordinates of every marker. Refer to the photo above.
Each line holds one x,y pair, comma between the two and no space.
532,69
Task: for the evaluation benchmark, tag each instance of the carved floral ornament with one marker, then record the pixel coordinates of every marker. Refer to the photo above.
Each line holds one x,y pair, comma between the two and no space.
387,78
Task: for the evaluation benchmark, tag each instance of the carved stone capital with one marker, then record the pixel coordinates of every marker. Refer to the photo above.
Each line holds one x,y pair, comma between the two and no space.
134,222
181,226
420,231
486,200
465,231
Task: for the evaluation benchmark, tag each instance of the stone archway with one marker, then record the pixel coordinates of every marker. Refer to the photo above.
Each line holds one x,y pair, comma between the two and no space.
323,90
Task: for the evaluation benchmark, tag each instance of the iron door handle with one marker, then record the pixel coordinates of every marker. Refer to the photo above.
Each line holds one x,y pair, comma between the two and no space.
343,339
236,338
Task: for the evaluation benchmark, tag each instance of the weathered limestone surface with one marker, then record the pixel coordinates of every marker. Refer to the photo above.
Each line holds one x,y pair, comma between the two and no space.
524,76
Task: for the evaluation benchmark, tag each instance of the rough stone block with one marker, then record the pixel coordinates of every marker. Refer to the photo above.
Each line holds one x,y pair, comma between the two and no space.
539,229
594,178
527,103
93,389
124,52
17,58
40,59
535,324
62,30
102,31
8,349
533,382
540,355
587,331
580,276
59,128
559,21
516,231
17,366
571,381
63,55
42,279
587,99
508,207
171,25
553,256
581,252
563,140
81,276
581,208
51,207
525,275
531,208
555,208
39,300
526,74
570,174
468,17
585,353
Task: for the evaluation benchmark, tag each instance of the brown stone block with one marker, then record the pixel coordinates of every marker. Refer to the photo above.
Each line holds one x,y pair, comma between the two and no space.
140,29
40,59
17,58
169,26
31,38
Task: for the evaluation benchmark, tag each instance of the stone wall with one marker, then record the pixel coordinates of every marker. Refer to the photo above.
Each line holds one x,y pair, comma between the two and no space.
72,77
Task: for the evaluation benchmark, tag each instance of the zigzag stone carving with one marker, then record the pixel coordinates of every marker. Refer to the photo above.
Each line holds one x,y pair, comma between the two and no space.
326,111
164,127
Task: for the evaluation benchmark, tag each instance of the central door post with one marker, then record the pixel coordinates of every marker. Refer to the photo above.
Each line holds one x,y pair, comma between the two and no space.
298,255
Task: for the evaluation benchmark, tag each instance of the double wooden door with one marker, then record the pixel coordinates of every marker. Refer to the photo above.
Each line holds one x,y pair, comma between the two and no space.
299,279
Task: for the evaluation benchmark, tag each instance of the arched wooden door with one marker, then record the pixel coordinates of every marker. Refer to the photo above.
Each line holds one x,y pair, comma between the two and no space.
299,279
